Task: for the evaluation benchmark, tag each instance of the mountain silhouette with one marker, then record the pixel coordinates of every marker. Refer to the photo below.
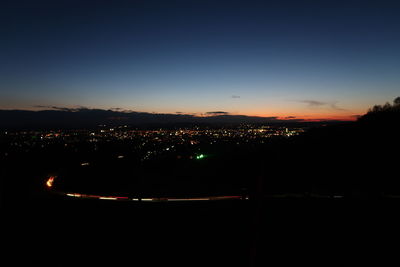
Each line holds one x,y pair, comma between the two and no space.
356,159
87,118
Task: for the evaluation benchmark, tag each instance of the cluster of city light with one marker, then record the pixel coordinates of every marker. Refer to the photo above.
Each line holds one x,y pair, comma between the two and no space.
155,141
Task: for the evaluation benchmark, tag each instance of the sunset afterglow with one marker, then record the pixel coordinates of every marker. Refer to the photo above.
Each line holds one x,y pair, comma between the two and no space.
248,59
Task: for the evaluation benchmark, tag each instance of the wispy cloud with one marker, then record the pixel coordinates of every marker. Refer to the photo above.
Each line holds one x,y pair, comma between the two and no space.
55,107
235,96
48,107
336,107
322,104
213,113
313,103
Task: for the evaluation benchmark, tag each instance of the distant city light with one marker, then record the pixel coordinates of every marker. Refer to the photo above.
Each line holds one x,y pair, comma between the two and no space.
74,195
201,156
50,181
158,199
109,198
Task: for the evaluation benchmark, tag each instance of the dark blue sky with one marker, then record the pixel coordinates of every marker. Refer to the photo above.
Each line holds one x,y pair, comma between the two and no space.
275,58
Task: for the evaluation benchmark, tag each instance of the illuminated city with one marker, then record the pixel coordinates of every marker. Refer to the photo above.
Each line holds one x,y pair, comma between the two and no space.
148,142
199,132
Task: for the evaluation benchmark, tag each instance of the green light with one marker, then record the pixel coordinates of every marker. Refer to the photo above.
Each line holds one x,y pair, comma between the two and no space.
201,156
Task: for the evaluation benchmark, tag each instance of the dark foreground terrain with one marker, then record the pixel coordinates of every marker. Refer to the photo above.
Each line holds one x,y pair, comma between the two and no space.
76,232
329,196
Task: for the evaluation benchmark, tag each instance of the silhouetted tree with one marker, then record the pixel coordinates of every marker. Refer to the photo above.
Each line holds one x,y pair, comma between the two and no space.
384,112
396,102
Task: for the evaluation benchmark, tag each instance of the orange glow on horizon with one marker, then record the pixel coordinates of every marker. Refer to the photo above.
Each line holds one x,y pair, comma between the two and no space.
302,117
333,118
305,113
311,117
281,113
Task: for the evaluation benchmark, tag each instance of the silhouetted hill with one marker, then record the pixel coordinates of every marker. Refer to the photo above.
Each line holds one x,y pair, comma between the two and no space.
87,118
355,159
387,116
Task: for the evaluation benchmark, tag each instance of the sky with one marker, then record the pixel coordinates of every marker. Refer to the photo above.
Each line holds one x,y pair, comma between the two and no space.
302,59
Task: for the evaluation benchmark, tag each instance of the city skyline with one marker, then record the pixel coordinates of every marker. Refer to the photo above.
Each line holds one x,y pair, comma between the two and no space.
286,59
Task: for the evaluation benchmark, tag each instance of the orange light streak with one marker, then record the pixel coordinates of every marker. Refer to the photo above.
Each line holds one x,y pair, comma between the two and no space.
50,181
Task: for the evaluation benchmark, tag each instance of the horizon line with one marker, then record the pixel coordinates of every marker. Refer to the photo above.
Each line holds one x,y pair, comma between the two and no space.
302,118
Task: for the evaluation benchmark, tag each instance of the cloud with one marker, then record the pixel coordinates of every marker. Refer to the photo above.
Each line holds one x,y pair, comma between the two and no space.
313,103
79,108
335,107
180,113
316,104
235,96
57,108
217,113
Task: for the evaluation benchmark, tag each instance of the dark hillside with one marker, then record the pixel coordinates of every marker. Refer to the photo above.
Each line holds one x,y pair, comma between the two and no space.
354,159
